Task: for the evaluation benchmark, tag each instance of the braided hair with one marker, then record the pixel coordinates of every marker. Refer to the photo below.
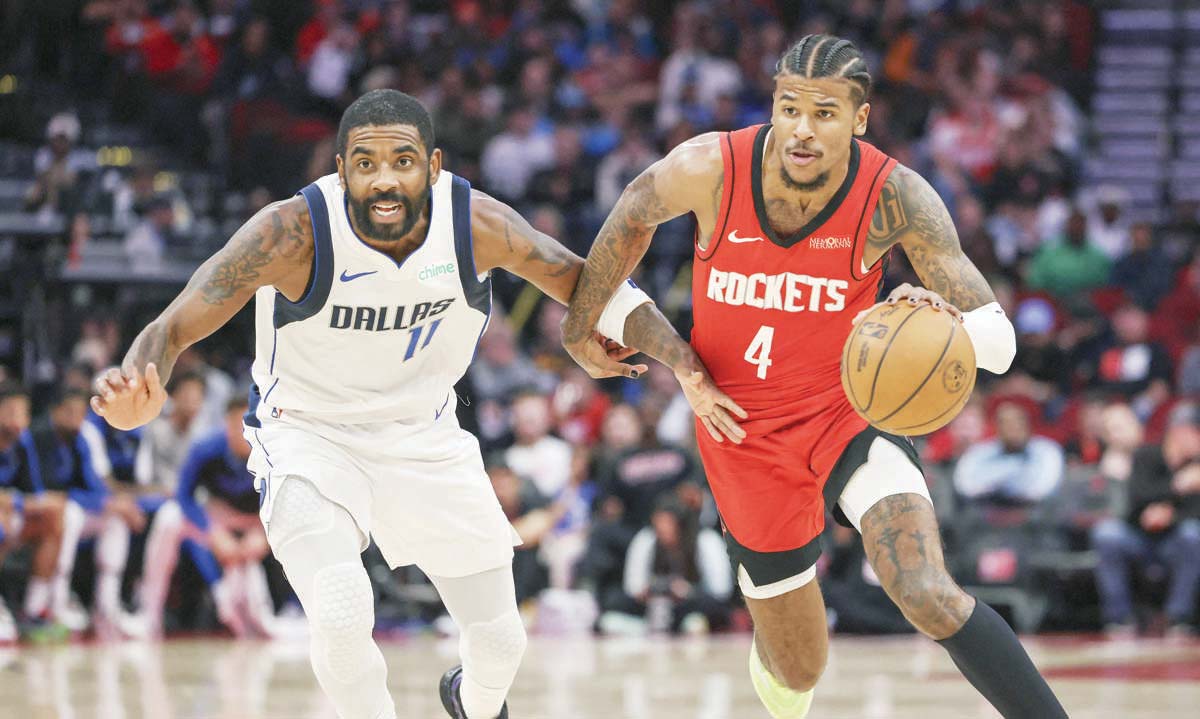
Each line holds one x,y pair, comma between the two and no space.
827,56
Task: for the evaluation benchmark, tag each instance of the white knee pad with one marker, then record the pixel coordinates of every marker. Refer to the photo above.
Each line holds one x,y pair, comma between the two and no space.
74,519
342,617
299,510
491,651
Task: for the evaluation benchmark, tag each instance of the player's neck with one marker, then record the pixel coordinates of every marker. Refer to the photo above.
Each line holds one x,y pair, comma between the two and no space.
776,187
400,248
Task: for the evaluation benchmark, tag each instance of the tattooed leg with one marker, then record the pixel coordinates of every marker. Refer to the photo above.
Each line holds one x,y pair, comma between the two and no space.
900,535
903,545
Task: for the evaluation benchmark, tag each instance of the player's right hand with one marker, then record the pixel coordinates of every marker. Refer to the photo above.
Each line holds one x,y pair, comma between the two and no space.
601,357
711,405
127,400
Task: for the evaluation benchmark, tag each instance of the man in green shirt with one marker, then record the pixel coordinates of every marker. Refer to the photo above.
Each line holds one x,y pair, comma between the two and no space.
1071,264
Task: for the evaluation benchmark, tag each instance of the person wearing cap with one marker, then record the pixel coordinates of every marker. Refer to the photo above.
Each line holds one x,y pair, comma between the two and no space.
58,168
1040,367
1161,528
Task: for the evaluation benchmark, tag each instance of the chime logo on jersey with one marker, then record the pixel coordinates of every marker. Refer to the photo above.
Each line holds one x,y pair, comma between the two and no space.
785,291
380,319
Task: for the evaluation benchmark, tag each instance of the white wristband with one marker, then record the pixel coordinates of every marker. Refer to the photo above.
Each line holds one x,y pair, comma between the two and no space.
993,336
612,320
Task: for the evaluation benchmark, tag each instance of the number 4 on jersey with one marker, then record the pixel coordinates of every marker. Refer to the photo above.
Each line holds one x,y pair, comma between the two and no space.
759,351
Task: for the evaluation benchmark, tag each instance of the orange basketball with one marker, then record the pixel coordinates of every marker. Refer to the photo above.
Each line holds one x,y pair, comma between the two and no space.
908,370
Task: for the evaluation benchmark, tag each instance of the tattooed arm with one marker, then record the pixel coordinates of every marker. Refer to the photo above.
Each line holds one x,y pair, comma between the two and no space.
912,215
679,183
688,179
275,247
502,238
505,239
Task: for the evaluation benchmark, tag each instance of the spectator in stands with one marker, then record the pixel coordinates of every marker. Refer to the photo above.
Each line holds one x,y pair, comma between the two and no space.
532,516
1085,441
1070,265
501,368
1040,370
226,524
511,158
1134,366
678,576
1189,369
1145,273
968,428
167,439
149,242
641,470
26,517
1107,221
60,169
579,406
330,65
1016,467
219,388
93,510
1121,434
1162,527
621,166
569,182
537,455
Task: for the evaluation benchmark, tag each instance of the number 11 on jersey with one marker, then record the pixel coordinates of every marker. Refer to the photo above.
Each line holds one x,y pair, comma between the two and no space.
759,351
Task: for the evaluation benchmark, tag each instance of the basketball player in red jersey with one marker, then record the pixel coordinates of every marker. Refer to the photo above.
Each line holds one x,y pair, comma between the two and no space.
795,219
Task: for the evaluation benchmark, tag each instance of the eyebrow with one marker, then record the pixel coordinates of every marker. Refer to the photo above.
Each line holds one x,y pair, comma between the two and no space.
826,103
401,149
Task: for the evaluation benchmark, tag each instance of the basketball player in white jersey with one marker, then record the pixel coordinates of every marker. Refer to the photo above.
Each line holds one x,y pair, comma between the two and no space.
372,289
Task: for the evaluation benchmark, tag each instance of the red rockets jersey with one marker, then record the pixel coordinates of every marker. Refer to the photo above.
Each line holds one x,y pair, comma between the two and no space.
772,313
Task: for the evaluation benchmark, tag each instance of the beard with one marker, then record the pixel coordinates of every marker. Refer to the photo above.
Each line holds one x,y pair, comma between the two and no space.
366,224
811,186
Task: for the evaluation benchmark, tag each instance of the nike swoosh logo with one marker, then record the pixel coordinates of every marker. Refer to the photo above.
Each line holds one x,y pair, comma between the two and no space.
738,240
347,278
438,414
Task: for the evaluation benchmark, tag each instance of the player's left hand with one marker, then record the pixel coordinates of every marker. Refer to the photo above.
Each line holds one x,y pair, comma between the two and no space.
914,296
711,405
602,357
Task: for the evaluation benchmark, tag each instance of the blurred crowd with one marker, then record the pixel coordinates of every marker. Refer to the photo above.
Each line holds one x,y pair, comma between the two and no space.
1072,482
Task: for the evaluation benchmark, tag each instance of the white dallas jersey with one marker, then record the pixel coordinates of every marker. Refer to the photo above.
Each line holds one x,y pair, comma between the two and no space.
372,340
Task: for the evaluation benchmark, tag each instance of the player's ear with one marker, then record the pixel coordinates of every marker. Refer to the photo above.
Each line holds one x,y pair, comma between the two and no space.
860,119
341,170
435,165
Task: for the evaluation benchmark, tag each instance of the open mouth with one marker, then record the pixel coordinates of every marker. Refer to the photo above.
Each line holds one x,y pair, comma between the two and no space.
802,157
385,210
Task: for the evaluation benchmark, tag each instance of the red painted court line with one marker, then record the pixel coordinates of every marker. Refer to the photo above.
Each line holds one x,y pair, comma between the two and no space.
1186,669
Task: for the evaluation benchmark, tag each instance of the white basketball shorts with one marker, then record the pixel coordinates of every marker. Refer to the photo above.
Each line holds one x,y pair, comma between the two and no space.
418,489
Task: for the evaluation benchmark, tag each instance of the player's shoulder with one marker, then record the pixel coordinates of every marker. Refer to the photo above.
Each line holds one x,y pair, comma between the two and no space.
697,157
908,185
283,228
489,216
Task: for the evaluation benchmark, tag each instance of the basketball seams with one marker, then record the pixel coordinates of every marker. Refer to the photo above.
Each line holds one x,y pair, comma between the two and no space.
882,357
932,370
955,406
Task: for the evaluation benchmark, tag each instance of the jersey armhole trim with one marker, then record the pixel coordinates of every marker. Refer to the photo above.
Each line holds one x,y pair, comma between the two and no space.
478,293
726,206
321,275
864,224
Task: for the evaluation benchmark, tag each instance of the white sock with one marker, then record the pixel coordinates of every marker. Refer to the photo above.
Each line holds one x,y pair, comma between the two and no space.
37,597
74,519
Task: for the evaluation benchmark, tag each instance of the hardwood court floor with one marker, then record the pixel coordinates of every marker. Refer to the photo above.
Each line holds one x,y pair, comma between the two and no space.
582,678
